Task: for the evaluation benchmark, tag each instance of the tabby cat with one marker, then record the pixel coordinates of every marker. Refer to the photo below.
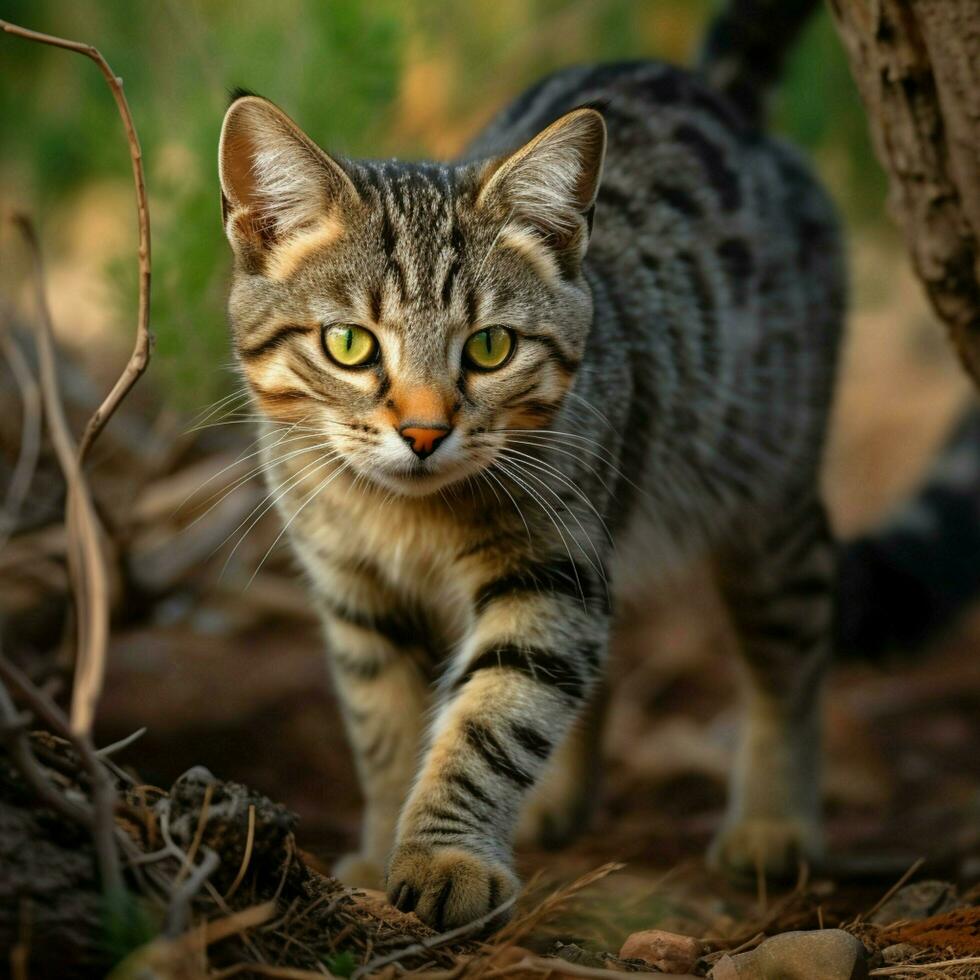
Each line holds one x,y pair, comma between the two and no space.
499,394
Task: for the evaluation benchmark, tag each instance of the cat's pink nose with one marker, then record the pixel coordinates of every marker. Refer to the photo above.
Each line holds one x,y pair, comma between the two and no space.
424,440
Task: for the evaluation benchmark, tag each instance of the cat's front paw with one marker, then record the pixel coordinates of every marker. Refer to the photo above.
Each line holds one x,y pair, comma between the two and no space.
359,871
447,887
776,846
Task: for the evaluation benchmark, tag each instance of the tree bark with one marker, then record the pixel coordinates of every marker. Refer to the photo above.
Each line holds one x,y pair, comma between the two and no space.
917,68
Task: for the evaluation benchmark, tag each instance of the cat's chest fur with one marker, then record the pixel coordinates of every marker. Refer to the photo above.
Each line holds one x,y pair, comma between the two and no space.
338,524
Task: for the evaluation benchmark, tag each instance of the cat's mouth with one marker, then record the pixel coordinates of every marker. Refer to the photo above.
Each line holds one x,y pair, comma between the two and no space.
419,478
394,467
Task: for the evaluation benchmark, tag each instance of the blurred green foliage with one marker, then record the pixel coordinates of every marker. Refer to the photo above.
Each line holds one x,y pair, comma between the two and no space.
371,78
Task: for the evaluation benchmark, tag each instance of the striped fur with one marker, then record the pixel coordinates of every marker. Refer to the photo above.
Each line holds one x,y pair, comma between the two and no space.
676,308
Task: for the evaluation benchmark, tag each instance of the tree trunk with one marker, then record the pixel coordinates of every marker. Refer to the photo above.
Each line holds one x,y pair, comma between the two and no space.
917,67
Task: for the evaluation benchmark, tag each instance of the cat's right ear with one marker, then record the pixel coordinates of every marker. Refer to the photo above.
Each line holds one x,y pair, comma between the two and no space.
551,183
276,183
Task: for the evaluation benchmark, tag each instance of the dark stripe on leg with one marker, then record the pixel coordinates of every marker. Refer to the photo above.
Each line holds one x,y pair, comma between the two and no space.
469,787
540,665
562,576
532,740
451,816
401,630
483,740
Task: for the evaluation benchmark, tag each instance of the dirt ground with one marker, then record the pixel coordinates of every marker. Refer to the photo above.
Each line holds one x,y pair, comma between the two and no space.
217,682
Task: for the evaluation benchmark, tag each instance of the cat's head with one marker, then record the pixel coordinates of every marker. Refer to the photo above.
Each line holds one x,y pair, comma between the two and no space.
411,314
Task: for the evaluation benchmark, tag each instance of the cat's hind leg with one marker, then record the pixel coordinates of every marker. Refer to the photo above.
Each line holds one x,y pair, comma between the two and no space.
778,586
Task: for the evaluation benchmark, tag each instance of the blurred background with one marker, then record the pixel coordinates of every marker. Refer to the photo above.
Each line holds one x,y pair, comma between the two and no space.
222,665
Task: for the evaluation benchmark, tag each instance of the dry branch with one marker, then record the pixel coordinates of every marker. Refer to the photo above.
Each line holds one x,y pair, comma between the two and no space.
13,728
102,821
917,67
144,340
30,443
86,559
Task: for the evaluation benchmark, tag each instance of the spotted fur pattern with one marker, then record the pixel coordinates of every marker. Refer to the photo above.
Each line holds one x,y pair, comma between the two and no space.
676,305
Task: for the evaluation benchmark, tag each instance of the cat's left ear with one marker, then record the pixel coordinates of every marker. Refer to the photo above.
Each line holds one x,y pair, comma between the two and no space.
276,183
551,182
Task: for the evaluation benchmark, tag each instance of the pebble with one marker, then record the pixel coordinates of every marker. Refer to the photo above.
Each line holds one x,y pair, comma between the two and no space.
899,953
825,954
667,951
918,901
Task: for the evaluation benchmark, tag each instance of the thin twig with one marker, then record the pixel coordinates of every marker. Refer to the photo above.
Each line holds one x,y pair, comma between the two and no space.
86,560
121,744
144,342
103,792
556,966
891,971
179,909
891,891
13,726
515,931
281,972
30,439
202,821
432,942
214,931
247,856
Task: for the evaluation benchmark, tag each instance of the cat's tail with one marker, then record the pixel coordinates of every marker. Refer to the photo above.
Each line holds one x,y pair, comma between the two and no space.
746,45
909,579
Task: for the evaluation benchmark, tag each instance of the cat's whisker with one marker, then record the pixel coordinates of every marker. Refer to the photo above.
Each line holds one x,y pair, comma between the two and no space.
552,442
241,458
571,393
249,419
547,468
241,395
479,479
551,438
556,432
322,485
491,475
597,565
272,492
276,495
563,452
266,466
555,519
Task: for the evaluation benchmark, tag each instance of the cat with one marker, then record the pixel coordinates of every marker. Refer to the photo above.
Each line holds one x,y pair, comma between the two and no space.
500,395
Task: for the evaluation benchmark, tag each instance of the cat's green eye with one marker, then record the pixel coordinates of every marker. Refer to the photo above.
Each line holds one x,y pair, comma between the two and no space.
350,345
489,348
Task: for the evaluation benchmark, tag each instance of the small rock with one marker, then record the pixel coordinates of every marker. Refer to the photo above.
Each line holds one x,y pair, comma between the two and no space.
725,969
899,953
573,953
918,901
667,951
825,954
